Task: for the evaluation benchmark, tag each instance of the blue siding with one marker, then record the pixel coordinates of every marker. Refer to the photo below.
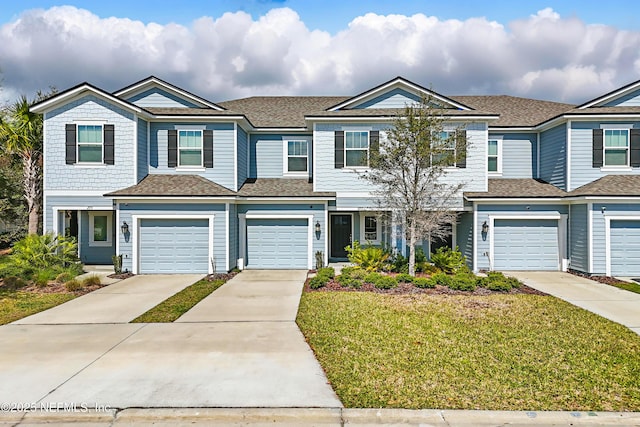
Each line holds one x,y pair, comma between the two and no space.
95,254
578,238
598,230
328,178
266,156
51,202
631,99
219,234
156,97
553,156
582,170
519,155
243,156
464,236
143,161
519,210
60,176
396,98
223,155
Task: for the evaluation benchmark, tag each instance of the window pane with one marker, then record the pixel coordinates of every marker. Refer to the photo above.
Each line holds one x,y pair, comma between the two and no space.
90,133
357,139
356,158
297,148
297,164
616,138
100,228
615,157
190,158
370,228
493,148
90,153
493,164
190,139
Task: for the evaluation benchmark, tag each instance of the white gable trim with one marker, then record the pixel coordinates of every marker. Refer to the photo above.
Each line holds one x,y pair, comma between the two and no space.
393,84
155,82
78,92
611,95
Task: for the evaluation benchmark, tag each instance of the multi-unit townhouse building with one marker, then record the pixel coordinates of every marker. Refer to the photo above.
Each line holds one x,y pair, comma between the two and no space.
176,183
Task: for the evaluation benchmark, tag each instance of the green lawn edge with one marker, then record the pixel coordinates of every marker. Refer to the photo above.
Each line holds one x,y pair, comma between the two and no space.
175,306
627,286
15,305
499,352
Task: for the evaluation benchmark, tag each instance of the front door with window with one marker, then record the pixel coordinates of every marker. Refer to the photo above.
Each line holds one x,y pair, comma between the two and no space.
340,235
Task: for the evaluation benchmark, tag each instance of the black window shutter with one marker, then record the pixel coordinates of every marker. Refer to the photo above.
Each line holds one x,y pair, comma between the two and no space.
109,142
598,136
70,143
635,147
339,149
461,148
374,143
207,144
172,153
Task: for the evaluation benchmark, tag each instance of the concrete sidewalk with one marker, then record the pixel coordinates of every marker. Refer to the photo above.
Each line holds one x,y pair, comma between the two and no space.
117,303
607,301
318,417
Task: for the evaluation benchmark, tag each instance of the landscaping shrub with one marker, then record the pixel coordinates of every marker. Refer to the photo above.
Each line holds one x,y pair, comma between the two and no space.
92,280
353,272
463,281
372,277
117,263
447,259
369,258
441,279
14,282
405,278
385,282
65,276
42,277
327,271
346,281
496,281
36,252
423,282
319,281
73,285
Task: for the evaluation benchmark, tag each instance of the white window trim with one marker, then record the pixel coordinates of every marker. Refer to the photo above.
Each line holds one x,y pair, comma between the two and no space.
606,167
285,157
92,216
78,143
191,167
499,156
378,238
368,149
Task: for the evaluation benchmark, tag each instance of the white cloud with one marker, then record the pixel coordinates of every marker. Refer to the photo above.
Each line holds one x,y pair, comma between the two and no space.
542,56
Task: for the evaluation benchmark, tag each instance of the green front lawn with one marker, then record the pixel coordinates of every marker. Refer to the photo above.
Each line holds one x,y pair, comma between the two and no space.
15,305
175,306
628,286
499,352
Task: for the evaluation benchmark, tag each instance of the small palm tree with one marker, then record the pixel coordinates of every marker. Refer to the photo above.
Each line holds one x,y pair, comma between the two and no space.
21,135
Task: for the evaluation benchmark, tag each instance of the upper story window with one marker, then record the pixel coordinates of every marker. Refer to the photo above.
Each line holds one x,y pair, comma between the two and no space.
446,151
356,148
616,147
297,159
190,148
493,156
90,143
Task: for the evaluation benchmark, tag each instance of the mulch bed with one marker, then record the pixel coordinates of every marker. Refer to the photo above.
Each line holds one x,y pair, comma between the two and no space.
56,288
121,275
409,289
220,276
607,280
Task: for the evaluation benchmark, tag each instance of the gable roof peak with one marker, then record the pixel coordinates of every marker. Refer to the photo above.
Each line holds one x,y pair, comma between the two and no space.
610,96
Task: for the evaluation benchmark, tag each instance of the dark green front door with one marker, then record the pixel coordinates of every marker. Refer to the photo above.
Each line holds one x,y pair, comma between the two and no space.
340,235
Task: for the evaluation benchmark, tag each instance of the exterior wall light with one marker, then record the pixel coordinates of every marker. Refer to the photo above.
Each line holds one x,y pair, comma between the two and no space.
485,227
124,228
317,226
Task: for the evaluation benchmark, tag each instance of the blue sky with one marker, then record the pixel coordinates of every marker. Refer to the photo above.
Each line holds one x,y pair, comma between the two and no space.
569,51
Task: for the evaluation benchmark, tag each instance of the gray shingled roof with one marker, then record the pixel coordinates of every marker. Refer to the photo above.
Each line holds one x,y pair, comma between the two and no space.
280,187
521,188
515,111
610,185
174,185
185,111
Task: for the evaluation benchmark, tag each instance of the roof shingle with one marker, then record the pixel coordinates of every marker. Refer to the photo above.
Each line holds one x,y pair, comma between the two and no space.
281,187
174,185
610,185
518,188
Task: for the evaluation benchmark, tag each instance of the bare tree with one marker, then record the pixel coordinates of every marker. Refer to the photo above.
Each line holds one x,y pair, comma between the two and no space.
409,172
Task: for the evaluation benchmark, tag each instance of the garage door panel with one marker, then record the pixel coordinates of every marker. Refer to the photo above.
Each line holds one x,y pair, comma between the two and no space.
277,243
174,246
530,244
625,247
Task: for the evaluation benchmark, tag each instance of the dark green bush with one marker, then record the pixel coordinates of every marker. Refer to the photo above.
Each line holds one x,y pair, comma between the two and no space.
42,277
405,278
441,279
327,271
369,258
65,276
14,282
372,277
423,282
348,282
463,282
385,282
319,281
447,259
496,281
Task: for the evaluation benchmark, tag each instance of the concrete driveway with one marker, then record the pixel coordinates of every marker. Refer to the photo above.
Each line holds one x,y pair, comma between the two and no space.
257,360
607,301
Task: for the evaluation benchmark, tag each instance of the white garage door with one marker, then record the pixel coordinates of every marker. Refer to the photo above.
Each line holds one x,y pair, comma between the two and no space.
174,246
277,243
526,244
625,247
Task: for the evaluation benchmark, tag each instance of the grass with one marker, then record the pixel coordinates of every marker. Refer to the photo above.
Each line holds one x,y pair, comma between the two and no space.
15,305
628,286
503,352
175,306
